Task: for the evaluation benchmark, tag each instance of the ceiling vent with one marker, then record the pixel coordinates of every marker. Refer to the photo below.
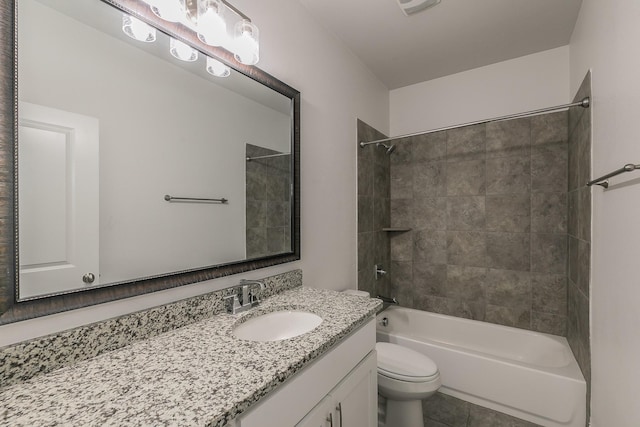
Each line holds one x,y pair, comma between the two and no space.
409,7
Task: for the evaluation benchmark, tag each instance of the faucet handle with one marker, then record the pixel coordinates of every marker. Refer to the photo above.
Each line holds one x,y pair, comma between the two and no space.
232,303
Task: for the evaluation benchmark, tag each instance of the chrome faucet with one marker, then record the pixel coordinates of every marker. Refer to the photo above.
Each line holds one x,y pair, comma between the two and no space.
243,298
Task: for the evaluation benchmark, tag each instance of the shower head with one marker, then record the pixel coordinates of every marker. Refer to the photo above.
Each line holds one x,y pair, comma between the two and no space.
389,148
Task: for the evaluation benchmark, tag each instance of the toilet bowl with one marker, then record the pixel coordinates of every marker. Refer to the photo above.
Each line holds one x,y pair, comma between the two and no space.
405,377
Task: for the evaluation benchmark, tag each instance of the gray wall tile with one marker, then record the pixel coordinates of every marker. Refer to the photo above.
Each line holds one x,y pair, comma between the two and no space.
429,279
381,213
584,214
430,246
381,181
469,178
549,292
402,212
477,194
365,214
549,253
466,248
546,128
549,323
366,250
403,154
509,251
429,147
509,175
465,213
466,143
583,266
509,138
549,168
579,231
508,213
549,213
466,283
508,316
508,288
429,179
451,306
401,286
401,246
401,182
430,213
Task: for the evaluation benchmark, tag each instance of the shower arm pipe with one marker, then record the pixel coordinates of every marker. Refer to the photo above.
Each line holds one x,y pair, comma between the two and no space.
584,103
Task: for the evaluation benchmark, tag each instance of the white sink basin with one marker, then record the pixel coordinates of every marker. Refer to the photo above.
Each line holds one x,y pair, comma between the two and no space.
276,326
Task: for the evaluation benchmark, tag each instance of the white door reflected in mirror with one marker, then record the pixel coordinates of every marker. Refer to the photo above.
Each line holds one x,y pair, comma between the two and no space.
60,201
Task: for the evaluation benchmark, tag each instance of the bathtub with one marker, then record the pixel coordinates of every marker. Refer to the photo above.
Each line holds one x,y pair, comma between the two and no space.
529,375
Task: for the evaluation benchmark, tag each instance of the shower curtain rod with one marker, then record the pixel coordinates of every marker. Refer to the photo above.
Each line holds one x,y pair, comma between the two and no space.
584,103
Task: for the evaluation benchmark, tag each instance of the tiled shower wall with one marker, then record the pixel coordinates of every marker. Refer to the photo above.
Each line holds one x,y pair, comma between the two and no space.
487,208
268,190
579,231
373,212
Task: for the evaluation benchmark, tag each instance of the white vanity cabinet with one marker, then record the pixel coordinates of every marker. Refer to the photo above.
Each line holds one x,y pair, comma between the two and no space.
353,403
339,389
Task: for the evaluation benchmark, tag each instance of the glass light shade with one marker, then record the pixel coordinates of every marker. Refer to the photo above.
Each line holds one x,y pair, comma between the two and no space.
246,44
136,29
217,68
169,10
212,28
182,51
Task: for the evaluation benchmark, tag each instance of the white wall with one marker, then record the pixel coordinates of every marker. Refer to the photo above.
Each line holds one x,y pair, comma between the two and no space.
534,81
335,89
605,40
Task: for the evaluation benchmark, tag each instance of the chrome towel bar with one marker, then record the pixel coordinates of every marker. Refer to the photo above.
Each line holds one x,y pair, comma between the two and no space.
169,198
268,156
603,180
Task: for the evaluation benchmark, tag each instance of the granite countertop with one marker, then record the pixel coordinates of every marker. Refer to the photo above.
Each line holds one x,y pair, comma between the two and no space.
199,374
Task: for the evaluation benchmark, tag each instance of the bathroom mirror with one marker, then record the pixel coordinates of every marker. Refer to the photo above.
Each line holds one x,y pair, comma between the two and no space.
137,171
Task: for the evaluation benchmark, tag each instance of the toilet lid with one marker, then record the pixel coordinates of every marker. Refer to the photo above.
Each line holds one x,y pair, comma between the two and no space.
405,364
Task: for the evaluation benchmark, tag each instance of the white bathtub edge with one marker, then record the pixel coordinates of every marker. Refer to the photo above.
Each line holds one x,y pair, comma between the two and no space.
576,419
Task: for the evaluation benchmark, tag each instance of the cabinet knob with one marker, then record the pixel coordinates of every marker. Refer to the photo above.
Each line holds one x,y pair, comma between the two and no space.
88,278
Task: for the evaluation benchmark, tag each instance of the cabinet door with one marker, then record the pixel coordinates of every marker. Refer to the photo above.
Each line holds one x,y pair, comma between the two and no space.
355,399
320,415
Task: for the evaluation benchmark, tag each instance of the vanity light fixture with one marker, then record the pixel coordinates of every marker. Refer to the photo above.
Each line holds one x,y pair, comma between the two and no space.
211,25
246,43
182,51
217,68
210,19
138,30
169,10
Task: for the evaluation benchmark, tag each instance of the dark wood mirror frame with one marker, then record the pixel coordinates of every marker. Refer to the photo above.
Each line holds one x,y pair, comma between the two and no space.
13,311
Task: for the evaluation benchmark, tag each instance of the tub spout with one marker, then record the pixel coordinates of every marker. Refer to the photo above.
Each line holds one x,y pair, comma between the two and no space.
388,300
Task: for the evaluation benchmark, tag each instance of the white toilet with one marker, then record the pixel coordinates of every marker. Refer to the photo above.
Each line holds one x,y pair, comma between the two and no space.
405,377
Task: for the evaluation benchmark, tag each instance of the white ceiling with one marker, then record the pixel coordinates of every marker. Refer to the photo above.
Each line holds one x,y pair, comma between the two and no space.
454,36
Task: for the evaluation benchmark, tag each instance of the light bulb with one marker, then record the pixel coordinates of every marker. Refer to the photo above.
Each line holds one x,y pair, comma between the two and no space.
136,29
169,10
212,28
182,51
217,68
246,43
